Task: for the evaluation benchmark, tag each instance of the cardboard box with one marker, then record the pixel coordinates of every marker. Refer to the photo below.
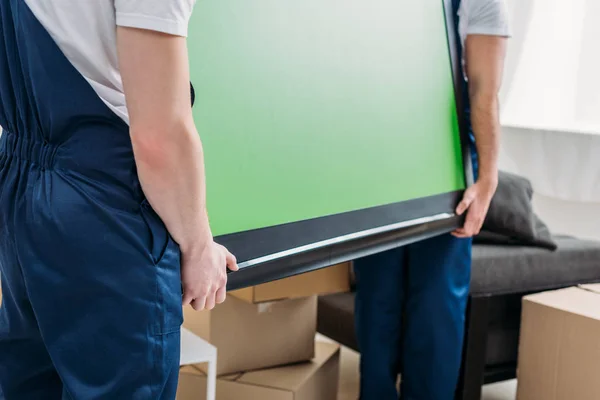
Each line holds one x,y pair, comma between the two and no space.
255,336
559,350
334,279
314,380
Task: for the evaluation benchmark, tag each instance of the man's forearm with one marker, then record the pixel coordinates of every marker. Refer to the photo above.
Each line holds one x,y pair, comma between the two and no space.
485,63
486,127
167,148
171,173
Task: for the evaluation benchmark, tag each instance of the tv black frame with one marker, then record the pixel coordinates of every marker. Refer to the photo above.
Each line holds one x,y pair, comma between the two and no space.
282,251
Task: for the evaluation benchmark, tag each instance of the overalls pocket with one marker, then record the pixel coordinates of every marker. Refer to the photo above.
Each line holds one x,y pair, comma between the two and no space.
167,262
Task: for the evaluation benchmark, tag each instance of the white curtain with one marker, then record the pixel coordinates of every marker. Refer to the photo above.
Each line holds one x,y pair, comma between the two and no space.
553,77
551,97
551,109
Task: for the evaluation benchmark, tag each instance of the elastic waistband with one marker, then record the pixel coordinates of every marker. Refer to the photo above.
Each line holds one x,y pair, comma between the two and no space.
90,148
102,156
36,152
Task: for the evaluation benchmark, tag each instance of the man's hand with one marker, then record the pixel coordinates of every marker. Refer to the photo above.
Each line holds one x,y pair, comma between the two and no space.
476,202
204,275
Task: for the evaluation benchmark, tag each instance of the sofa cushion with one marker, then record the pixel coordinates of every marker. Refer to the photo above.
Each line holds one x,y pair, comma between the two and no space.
542,237
512,269
510,219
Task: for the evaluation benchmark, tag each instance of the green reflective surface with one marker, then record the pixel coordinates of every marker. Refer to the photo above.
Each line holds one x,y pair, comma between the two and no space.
317,107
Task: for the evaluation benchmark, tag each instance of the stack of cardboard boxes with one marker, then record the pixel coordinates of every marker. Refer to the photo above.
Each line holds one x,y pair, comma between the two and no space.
265,339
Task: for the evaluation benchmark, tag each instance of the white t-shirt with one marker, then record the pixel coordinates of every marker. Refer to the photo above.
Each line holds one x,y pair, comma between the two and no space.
85,31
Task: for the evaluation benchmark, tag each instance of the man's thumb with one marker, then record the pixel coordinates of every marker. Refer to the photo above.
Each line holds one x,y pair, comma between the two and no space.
465,202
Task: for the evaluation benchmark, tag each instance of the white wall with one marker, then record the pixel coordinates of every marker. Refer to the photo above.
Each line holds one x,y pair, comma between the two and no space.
569,217
551,109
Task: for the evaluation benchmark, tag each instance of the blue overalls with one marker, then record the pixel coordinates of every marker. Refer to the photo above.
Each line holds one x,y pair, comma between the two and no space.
410,316
90,276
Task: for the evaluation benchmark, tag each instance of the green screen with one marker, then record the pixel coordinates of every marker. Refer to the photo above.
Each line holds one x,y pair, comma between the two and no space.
317,107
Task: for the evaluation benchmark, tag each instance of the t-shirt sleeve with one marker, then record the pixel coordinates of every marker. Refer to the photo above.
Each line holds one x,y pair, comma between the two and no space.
167,16
488,17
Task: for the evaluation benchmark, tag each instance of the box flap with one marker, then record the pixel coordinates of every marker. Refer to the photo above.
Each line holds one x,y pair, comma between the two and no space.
194,370
573,300
246,294
594,287
291,377
191,370
334,279
231,377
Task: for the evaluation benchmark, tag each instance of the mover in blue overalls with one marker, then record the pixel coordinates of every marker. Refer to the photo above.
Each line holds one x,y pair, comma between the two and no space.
91,277
410,302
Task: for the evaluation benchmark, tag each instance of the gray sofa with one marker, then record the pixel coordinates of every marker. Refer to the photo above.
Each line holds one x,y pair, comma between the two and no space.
501,276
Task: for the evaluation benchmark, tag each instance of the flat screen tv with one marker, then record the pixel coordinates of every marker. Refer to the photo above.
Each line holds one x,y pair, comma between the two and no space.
331,129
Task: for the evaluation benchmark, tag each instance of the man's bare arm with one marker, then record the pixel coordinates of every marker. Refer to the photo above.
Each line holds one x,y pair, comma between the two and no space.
169,155
168,151
484,67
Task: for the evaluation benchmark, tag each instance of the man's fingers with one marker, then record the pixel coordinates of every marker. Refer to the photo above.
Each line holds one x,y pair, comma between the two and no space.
187,298
458,232
221,295
210,301
475,206
473,224
464,204
469,229
462,207
198,304
231,261
466,201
